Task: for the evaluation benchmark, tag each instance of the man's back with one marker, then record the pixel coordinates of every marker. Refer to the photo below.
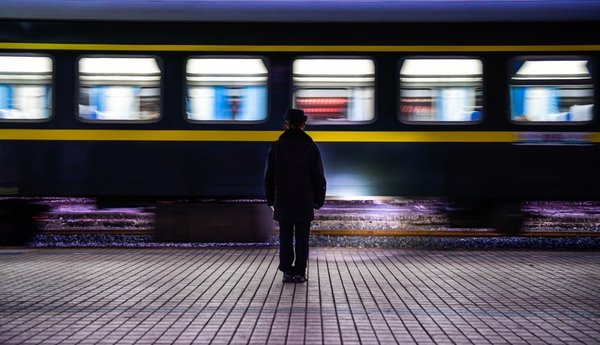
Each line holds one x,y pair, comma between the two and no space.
295,186
298,183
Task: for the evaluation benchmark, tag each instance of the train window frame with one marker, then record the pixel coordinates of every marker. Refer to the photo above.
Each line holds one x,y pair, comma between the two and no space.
52,108
294,89
267,65
399,113
159,65
540,57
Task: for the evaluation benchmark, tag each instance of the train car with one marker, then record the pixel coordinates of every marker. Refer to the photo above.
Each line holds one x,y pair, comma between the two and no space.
487,108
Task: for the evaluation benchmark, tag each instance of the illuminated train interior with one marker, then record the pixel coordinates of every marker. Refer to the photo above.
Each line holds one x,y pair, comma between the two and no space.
332,90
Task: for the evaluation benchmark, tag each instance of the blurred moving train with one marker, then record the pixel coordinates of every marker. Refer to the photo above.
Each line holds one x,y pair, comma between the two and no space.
485,113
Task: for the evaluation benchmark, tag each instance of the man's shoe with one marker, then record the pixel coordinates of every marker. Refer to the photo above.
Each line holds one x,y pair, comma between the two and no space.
299,278
287,278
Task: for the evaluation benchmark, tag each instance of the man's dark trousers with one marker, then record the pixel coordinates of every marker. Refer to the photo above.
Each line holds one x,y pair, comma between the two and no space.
286,251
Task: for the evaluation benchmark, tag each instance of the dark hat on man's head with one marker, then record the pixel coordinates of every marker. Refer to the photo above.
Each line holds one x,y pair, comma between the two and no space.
295,115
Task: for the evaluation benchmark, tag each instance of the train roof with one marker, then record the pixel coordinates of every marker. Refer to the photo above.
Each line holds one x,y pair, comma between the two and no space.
303,10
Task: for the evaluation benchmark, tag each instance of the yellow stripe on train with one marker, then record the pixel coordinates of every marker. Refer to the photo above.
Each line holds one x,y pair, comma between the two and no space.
297,48
318,136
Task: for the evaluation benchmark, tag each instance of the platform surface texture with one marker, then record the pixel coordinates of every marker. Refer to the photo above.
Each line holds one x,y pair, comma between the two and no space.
352,296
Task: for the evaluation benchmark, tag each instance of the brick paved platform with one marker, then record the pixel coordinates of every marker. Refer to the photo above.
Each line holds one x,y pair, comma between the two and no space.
353,296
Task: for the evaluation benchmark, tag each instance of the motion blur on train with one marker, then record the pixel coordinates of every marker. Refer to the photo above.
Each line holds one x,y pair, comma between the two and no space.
485,114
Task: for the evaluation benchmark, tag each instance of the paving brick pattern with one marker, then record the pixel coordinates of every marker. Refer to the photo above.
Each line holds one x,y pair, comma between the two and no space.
353,296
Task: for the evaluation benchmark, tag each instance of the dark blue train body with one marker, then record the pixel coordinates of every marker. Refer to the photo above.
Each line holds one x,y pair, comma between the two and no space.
413,143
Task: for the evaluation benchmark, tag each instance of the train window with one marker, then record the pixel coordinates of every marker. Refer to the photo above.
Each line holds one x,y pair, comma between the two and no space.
226,89
119,89
551,90
25,87
335,91
441,90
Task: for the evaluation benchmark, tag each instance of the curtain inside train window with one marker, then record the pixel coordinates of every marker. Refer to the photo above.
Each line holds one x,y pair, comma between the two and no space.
551,90
25,87
226,89
441,90
334,90
119,89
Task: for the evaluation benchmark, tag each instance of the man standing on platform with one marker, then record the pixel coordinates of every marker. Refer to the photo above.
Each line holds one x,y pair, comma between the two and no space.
295,186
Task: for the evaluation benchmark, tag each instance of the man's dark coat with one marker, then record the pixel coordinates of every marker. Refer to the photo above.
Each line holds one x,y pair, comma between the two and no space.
294,179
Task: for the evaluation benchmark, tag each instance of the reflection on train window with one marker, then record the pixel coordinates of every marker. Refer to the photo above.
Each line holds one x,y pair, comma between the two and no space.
334,91
119,89
441,90
551,91
226,89
25,87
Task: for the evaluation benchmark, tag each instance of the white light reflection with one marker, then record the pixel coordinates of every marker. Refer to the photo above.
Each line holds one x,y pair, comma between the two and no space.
439,68
553,70
224,67
119,66
333,67
348,186
36,65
